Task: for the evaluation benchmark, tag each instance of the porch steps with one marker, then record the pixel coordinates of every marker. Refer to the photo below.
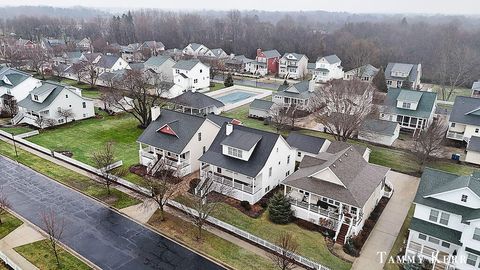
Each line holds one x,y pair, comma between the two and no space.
341,235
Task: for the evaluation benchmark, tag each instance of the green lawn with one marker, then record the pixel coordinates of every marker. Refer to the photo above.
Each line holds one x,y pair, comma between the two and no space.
9,223
398,244
459,91
16,130
87,91
83,138
217,86
241,113
212,245
70,178
40,254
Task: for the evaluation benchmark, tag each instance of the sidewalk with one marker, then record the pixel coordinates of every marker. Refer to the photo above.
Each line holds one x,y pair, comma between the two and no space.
20,236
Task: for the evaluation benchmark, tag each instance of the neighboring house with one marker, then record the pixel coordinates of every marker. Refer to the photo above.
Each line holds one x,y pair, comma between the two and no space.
476,89
53,44
337,146
328,68
112,105
175,54
413,110
155,47
336,190
379,131
196,49
249,161
72,57
179,137
446,221
109,63
131,52
162,65
464,120
24,44
110,79
197,103
238,63
397,73
218,53
311,68
16,83
260,108
84,45
307,145
266,63
364,73
50,101
299,94
473,150
293,66
191,74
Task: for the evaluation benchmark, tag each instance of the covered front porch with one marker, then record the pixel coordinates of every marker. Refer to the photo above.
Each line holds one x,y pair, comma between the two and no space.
150,156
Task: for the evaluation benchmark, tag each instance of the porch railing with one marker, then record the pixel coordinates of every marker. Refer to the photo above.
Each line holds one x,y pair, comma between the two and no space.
229,182
315,209
455,135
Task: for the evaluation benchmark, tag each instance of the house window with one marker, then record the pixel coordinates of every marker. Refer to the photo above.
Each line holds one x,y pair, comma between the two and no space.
177,71
270,171
464,198
444,219
35,97
219,170
288,159
287,173
476,234
433,215
406,105
471,259
195,81
201,71
199,136
66,96
433,240
84,104
422,236
445,244
452,125
235,152
204,149
476,130
353,210
299,154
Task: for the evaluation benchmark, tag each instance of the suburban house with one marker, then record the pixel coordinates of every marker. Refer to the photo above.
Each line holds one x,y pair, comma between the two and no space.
178,137
476,89
24,44
298,94
154,47
396,74
53,44
413,110
248,161
109,63
364,73
328,68
464,120
110,79
218,53
336,190
84,45
260,108
197,103
131,52
191,74
379,131
161,65
473,150
16,84
266,62
446,220
307,145
174,53
55,104
238,63
196,49
293,66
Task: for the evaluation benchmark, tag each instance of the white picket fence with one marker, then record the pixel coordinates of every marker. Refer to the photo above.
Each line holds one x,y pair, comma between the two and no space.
9,262
246,235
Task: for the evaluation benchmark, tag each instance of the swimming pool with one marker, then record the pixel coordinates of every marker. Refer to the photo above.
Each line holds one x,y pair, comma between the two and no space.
234,97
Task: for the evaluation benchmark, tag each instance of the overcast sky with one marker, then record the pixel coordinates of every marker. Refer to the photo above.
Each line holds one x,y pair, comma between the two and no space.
356,6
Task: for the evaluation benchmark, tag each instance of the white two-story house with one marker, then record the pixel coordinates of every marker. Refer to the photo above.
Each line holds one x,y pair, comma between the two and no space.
293,66
328,68
299,94
16,84
248,161
162,66
397,73
196,49
446,221
413,110
178,137
55,103
476,89
464,120
191,74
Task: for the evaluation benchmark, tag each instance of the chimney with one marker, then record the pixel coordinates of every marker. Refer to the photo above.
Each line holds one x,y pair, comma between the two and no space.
229,129
155,112
311,85
259,51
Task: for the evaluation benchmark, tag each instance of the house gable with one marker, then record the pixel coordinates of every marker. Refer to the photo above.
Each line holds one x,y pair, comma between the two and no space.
166,129
327,175
455,197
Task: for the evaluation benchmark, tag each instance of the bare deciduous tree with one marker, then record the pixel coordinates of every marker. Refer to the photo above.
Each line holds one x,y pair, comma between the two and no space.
78,69
54,228
103,158
359,53
279,118
10,105
4,204
90,73
65,113
429,141
284,258
38,61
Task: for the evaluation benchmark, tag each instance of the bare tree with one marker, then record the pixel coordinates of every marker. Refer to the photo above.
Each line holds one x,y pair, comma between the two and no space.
283,258
429,141
4,204
38,61
103,158
78,69
54,228
90,73
59,70
40,122
65,113
279,118
10,105
359,53
342,106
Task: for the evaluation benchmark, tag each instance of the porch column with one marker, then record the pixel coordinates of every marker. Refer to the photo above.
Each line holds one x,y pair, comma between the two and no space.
253,185
309,199
140,145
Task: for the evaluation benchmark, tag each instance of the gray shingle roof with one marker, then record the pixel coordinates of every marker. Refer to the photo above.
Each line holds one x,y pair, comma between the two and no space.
424,109
46,87
298,90
305,143
378,126
271,53
359,178
297,56
474,144
242,140
365,71
261,104
437,231
186,64
410,96
217,52
195,46
157,61
184,125
331,59
413,74
197,100
257,160
218,119
464,111
14,76
107,61
337,146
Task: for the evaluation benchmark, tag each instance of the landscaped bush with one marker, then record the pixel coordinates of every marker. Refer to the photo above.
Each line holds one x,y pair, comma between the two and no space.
350,248
193,184
246,205
279,209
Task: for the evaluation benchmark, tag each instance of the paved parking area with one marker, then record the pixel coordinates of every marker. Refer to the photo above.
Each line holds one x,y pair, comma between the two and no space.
99,234
388,226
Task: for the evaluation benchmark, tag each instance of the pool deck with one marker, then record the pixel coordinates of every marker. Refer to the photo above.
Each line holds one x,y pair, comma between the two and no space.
259,94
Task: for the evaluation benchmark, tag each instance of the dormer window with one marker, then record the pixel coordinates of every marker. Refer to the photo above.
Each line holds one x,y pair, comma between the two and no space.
406,105
464,198
35,97
235,152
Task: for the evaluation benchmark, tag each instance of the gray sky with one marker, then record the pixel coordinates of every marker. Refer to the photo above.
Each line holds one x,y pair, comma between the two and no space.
357,6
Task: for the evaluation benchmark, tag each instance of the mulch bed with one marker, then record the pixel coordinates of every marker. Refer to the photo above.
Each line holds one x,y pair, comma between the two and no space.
138,169
65,153
255,211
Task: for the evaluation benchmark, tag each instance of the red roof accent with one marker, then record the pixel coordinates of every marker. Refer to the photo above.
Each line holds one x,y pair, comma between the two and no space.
167,130
236,122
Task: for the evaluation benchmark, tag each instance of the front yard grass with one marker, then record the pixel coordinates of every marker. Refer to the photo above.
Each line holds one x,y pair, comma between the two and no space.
68,177
459,91
16,130
399,242
87,90
83,138
9,224
212,245
40,254
217,86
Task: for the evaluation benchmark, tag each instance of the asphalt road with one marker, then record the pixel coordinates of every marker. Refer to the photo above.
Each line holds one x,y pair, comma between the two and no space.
104,237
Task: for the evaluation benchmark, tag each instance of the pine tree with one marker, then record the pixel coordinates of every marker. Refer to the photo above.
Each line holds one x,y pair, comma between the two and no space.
407,84
228,80
279,209
379,81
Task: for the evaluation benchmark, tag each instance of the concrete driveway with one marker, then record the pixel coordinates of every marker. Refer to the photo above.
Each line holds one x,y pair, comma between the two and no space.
102,236
388,226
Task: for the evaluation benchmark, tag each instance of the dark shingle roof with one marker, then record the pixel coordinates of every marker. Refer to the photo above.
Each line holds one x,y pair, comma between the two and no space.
261,104
465,111
186,125
197,100
437,231
107,61
337,146
379,126
305,143
474,144
242,140
424,109
186,64
218,119
157,60
257,160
